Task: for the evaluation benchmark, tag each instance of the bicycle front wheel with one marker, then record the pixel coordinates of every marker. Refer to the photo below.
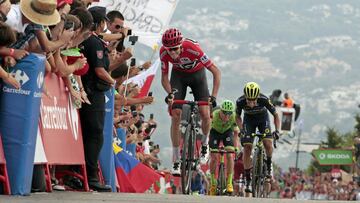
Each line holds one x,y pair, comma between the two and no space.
221,180
188,160
257,173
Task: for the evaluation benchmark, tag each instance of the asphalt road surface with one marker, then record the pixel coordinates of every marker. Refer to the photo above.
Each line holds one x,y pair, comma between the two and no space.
82,197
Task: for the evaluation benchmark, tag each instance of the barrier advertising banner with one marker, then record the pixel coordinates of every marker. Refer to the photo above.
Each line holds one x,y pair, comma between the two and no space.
106,154
60,125
19,114
333,156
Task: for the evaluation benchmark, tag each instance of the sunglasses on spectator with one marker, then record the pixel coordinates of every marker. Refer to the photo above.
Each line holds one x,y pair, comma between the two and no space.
119,27
173,48
228,113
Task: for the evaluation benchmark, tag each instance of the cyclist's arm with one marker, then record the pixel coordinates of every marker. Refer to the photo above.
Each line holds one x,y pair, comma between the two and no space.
236,138
239,122
166,82
276,120
216,79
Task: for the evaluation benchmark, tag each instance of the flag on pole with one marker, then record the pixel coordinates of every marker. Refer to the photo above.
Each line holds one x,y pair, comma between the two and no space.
144,79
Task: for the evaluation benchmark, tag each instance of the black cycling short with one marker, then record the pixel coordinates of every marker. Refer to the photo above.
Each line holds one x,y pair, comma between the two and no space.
215,138
262,123
196,81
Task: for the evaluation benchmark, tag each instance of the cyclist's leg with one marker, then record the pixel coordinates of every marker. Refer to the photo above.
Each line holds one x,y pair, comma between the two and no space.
177,84
247,142
214,145
228,140
199,87
264,127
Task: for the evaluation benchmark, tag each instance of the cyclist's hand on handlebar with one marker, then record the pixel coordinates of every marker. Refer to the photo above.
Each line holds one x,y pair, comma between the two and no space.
212,100
276,134
242,133
169,98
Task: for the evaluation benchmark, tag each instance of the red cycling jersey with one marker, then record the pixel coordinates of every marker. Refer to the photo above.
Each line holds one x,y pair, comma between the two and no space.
191,58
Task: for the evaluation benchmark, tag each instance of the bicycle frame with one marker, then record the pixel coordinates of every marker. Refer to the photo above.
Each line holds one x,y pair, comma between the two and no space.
259,167
189,160
221,186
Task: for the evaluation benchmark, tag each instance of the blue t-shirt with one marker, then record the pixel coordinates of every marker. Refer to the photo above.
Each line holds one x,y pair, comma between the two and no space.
121,134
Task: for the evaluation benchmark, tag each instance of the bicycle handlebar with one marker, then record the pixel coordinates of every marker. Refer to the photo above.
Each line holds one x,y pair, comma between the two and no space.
261,136
222,151
179,101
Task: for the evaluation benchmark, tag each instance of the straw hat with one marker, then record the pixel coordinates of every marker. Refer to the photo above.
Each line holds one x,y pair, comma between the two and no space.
42,12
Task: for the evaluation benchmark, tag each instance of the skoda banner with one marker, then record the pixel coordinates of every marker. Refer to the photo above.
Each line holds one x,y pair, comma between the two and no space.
106,155
333,156
19,116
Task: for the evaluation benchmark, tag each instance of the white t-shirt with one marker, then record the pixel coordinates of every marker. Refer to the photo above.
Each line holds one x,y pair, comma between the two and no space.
146,147
14,18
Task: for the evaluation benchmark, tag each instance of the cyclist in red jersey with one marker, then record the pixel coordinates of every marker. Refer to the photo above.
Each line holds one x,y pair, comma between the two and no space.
188,70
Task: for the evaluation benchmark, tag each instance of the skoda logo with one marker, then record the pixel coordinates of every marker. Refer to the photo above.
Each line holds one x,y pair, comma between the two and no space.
322,156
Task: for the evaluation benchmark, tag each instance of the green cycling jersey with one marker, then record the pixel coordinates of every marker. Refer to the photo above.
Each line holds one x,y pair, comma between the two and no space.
221,126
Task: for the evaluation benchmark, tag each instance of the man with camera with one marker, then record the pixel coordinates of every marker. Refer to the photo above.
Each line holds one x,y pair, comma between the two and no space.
189,63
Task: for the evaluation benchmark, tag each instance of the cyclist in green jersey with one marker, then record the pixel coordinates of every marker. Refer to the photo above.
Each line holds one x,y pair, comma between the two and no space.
223,128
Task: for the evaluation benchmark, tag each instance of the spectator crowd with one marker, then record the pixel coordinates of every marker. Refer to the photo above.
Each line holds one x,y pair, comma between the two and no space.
84,46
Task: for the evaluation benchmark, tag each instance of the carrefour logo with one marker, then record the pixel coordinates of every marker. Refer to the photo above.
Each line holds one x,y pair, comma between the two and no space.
20,76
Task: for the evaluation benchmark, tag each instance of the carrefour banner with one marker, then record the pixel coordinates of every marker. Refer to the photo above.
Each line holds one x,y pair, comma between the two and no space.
106,154
19,116
60,125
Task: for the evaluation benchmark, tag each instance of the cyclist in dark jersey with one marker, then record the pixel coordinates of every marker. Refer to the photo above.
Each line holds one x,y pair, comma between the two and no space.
189,63
255,106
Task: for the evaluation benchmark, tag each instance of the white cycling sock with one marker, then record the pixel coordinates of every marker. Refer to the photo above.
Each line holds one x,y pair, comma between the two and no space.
176,154
204,140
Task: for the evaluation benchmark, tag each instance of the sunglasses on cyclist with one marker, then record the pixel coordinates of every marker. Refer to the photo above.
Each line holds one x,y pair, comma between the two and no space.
173,48
119,27
228,113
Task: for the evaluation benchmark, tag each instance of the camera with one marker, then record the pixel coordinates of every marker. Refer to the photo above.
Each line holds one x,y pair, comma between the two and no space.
133,39
151,115
133,62
129,32
150,95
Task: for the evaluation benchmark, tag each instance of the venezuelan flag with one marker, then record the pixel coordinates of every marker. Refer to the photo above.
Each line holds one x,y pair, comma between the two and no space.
132,176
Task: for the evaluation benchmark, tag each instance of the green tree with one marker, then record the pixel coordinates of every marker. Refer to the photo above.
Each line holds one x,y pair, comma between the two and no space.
357,125
334,139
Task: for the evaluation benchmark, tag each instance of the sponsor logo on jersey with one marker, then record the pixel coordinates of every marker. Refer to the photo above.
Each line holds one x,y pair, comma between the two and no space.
204,59
185,60
188,66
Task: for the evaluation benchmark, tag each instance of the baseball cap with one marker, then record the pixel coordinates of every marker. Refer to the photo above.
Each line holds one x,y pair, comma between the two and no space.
98,13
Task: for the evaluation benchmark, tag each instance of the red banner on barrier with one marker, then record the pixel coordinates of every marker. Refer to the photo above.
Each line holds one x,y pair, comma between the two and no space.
60,125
